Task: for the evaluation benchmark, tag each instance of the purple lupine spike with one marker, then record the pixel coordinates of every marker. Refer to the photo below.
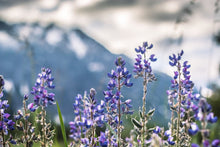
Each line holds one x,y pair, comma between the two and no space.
5,123
40,92
88,115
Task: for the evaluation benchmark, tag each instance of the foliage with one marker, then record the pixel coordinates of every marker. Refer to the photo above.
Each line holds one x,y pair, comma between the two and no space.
101,124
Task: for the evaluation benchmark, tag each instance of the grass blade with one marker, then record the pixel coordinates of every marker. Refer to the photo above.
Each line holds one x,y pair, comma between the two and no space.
62,125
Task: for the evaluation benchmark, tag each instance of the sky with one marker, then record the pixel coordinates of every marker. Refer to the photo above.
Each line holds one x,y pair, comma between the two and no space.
122,25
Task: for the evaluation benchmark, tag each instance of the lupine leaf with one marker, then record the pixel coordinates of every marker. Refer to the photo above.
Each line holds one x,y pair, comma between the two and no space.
151,129
62,125
151,112
136,123
140,113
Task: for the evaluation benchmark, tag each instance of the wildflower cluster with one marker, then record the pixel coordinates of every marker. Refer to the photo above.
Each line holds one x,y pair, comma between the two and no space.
204,115
6,124
41,95
88,116
186,106
100,123
24,121
113,97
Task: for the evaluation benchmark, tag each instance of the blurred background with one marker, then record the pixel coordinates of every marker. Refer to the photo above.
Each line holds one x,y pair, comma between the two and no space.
80,39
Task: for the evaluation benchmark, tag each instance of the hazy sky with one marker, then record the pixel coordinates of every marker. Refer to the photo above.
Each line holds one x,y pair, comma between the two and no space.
122,25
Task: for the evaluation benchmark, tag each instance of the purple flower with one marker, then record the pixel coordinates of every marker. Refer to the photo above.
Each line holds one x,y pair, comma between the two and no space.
194,145
142,63
170,140
152,58
193,129
167,133
216,143
19,115
205,143
88,115
40,90
157,130
210,117
103,140
5,123
32,107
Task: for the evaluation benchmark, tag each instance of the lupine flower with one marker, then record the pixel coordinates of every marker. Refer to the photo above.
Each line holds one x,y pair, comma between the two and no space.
5,123
142,63
216,143
40,92
114,105
157,130
88,115
194,145
204,112
210,117
31,107
170,140
206,143
103,140
182,100
193,129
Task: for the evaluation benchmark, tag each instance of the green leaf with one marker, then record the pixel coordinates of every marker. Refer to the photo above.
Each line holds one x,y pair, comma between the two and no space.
62,125
173,108
150,112
140,113
136,123
151,129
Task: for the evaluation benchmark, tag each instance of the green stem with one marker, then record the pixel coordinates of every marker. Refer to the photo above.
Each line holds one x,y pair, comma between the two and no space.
172,121
109,122
93,131
143,129
44,127
25,124
119,114
179,105
3,134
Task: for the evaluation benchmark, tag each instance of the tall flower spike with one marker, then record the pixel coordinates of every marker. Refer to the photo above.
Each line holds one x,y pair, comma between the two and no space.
88,115
40,90
5,123
114,105
142,68
181,100
42,97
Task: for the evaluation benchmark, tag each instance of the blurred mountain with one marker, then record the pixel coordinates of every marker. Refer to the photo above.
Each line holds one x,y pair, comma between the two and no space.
78,63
